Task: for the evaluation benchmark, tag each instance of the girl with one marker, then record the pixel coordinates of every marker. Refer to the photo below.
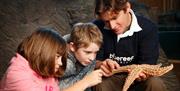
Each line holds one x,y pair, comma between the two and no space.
39,60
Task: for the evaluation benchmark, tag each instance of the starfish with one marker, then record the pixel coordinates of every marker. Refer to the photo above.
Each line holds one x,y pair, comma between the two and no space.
135,70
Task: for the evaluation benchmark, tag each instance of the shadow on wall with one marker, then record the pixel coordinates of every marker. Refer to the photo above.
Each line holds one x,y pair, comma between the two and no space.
19,18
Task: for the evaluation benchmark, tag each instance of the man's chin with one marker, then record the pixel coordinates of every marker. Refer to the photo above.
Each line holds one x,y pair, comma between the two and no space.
118,32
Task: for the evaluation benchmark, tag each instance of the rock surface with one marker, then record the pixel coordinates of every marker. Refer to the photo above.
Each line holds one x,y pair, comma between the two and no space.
19,18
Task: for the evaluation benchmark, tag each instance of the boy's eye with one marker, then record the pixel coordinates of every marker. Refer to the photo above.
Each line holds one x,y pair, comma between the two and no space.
88,52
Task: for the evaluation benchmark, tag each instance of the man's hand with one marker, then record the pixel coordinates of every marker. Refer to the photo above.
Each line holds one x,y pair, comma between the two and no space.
107,66
142,77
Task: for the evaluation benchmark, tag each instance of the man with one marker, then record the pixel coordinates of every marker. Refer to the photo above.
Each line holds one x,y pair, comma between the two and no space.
128,39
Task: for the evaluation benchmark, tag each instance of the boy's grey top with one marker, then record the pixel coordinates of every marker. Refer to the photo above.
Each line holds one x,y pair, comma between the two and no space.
74,71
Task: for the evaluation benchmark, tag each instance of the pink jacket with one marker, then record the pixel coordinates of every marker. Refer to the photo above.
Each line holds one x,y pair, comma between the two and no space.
20,77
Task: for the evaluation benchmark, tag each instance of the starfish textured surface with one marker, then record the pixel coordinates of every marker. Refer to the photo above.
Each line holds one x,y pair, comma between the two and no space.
135,70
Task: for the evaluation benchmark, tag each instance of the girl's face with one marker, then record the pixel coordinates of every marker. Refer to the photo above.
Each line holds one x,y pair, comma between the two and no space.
58,62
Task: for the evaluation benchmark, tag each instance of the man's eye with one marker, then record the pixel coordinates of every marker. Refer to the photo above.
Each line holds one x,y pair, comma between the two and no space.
88,52
106,22
114,18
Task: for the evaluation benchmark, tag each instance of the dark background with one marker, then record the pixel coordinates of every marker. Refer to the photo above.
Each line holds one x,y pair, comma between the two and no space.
19,18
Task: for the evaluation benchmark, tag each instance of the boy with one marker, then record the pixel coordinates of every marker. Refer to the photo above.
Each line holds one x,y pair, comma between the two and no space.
84,43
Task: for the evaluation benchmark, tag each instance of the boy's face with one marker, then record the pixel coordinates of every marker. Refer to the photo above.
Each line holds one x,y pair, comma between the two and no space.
85,55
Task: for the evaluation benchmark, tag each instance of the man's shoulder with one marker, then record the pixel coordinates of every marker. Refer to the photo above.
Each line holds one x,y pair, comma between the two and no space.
146,24
144,21
105,31
99,23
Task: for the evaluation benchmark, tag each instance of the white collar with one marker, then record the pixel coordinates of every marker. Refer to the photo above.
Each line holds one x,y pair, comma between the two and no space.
134,27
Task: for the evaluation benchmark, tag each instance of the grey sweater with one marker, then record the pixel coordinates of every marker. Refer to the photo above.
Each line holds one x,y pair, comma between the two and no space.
75,72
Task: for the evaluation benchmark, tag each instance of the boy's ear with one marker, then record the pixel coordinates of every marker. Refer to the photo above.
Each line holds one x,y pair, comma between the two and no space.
72,46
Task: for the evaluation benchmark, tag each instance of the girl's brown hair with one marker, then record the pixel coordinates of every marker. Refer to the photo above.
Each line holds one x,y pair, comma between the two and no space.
40,49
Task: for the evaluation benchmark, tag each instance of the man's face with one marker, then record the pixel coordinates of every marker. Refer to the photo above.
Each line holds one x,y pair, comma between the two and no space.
117,22
86,55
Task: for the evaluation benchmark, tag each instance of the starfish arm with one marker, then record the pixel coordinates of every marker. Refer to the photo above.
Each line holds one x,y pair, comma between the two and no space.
145,66
158,71
131,77
135,70
121,69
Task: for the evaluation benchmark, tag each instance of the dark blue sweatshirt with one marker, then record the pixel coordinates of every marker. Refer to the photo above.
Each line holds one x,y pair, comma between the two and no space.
140,48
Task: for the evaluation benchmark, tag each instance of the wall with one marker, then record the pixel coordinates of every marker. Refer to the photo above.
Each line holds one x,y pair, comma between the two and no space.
19,18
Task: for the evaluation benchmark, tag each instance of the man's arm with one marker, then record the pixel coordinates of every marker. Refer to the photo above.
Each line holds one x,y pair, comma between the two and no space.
107,66
148,51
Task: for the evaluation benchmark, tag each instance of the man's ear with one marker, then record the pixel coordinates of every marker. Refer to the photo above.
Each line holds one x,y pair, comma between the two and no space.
72,46
128,7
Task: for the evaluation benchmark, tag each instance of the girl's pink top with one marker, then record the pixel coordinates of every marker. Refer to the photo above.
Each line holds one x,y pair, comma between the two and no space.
20,77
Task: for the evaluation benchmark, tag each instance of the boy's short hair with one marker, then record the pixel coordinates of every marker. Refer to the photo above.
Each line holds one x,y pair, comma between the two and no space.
102,6
85,33
40,50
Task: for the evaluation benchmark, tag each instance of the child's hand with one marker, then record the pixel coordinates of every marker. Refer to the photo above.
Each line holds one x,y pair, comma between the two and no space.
93,78
108,66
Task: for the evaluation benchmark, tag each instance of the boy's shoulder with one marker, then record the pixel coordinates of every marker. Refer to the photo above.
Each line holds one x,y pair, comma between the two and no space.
67,37
70,67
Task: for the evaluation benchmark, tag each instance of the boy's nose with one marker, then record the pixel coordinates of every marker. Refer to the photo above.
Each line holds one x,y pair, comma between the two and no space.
92,57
